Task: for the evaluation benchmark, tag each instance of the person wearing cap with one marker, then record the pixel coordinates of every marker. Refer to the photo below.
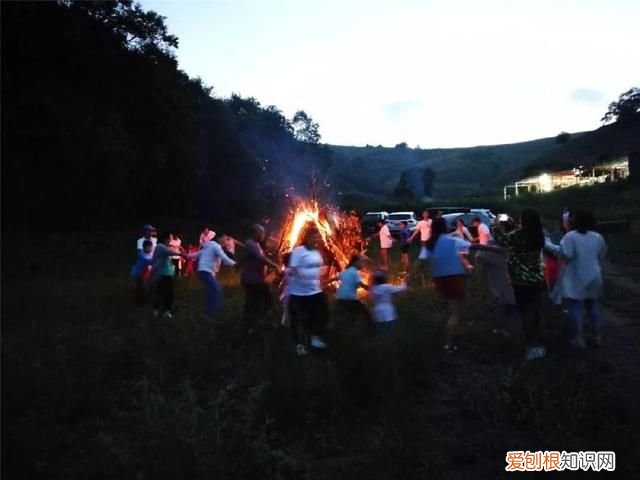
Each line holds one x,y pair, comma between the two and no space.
207,235
148,235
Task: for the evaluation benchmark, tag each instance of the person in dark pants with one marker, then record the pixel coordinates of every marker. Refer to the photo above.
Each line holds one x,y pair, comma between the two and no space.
162,273
308,302
349,305
526,271
209,259
141,270
257,294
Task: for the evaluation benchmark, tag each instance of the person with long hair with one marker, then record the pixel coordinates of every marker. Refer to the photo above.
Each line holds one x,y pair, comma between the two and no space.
449,269
307,301
491,262
583,251
526,271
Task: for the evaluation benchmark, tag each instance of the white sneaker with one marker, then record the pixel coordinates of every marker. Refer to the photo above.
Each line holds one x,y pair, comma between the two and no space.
317,342
300,350
168,315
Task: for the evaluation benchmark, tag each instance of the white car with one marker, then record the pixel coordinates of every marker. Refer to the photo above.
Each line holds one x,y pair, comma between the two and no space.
395,219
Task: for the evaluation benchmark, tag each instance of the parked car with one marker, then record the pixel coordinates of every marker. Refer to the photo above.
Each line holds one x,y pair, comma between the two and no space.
433,211
451,219
370,221
487,212
395,219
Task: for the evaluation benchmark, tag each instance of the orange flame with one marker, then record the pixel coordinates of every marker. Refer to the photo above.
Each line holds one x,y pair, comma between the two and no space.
340,232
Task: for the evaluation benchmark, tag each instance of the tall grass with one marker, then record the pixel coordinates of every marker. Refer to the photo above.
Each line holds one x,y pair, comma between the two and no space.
95,387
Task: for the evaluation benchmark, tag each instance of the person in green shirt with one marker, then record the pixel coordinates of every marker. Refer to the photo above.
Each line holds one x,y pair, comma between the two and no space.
526,271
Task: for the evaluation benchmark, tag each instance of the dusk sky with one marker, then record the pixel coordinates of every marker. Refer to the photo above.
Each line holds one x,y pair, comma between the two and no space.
430,73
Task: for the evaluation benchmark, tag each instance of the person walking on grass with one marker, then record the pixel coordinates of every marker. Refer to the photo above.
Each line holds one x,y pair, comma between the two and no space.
492,265
347,294
386,241
307,301
580,283
449,268
162,273
423,228
385,315
405,244
257,294
526,271
208,258
141,271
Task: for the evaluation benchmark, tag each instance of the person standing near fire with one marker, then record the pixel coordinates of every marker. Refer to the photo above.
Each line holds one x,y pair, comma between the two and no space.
307,301
386,241
257,295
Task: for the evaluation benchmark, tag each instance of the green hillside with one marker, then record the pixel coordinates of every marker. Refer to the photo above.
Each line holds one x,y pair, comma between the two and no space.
481,170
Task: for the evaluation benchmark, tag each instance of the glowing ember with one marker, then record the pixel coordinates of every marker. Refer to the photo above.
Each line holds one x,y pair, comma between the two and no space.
340,233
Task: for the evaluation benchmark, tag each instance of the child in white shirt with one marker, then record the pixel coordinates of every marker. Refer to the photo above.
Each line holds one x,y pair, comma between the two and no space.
384,311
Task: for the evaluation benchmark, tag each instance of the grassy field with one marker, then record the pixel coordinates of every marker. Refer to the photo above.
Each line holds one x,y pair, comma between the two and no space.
97,388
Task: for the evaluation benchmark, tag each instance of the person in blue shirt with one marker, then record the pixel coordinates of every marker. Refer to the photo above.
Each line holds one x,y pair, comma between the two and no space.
449,268
141,270
347,295
404,245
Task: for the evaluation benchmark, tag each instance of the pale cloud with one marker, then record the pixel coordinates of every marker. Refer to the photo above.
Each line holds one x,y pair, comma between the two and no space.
589,96
402,109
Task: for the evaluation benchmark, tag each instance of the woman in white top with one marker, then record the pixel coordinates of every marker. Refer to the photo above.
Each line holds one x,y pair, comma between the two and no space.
580,282
309,311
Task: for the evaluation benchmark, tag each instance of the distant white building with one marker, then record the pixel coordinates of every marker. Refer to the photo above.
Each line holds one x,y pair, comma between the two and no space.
582,176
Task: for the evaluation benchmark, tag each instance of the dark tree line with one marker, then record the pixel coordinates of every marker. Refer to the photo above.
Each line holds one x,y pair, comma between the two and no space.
99,125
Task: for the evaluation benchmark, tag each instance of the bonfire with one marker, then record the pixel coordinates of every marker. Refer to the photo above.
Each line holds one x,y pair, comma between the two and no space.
340,232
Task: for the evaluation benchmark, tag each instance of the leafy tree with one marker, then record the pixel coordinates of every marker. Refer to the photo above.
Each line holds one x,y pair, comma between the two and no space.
115,132
401,145
138,29
304,128
626,109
